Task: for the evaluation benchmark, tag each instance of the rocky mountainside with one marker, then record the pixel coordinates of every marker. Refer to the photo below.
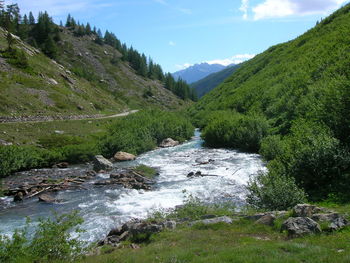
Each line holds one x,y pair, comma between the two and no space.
197,72
85,79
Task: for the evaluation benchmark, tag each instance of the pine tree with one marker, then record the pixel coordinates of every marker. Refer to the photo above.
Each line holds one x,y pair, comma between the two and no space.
31,19
69,21
88,30
25,20
50,48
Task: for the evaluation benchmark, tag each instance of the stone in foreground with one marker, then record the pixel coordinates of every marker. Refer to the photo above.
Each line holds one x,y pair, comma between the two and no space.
166,143
305,210
101,163
300,226
335,220
124,156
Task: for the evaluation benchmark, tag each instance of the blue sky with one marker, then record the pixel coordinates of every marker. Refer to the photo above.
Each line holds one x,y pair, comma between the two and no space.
178,33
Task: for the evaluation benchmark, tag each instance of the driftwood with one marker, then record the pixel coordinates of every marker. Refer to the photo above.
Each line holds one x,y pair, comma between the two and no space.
39,192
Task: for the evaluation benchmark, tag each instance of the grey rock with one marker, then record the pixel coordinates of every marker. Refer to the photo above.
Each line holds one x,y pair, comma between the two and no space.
299,226
268,220
169,224
335,220
45,198
101,163
305,210
168,143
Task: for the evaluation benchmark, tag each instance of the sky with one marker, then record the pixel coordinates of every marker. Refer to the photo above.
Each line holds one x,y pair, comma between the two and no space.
180,33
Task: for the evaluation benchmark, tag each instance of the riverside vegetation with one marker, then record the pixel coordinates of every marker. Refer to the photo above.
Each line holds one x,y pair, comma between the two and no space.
289,104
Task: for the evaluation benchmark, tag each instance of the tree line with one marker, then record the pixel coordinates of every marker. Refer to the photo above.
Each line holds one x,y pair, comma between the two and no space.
44,34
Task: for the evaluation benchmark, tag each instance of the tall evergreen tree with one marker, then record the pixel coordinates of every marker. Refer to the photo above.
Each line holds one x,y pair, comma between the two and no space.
31,19
25,20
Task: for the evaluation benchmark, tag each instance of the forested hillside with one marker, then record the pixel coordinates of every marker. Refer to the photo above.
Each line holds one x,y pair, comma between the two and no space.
292,104
205,85
73,69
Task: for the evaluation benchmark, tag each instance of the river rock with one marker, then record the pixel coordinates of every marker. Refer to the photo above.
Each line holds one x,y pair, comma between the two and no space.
124,156
62,165
19,196
305,210
169,143
299,226
223,219
335,220
101,163
45,198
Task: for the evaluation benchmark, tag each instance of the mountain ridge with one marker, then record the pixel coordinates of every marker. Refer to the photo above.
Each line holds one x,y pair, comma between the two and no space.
197,72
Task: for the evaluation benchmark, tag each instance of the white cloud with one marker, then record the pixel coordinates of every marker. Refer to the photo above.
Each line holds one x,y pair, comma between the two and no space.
183,66
172,43
244,8
236,59
282,8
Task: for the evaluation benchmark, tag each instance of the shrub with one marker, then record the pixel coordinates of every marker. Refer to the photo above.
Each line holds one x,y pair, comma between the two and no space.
234,130
315,159
274,192
16,158
271,147
142,132
16,57
51,242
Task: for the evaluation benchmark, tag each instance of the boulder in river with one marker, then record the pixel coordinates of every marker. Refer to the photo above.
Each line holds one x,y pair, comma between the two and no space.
45,198
166,143
124,156
101,163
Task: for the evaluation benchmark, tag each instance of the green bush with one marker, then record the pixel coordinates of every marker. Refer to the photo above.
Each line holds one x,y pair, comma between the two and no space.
16,57
315,159
271,147
234,130
51,242
142,132
16,158
274,192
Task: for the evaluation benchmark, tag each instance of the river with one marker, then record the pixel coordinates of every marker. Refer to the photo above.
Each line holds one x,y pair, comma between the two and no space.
106,207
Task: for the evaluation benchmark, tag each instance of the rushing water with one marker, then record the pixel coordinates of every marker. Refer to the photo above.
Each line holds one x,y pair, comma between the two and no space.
105,207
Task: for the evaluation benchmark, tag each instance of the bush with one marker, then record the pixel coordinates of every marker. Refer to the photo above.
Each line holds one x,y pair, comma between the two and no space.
16,158
142,132
274,192
234,130
271,147
16,57
51,242
315,159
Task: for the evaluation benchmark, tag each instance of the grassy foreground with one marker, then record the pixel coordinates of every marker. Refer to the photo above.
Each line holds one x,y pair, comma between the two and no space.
243,241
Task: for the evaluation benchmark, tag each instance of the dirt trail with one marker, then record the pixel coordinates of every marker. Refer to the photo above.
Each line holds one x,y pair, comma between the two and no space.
36,119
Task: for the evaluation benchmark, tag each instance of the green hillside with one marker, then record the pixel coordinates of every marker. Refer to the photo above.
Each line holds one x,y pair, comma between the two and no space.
292,104
205,85
75,71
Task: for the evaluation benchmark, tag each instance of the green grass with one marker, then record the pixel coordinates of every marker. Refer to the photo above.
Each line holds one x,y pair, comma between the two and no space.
242,241
30,133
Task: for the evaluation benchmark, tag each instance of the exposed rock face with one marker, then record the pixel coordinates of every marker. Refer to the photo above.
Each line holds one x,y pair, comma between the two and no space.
223,219
335,220
168,143
101,163
306,210
52,81
134,228
123,156
299,226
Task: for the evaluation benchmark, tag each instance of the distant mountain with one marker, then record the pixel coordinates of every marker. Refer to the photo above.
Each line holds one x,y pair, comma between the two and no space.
197,72
208,83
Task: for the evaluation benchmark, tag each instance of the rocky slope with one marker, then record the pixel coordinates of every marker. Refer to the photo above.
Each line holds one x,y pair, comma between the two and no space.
82,81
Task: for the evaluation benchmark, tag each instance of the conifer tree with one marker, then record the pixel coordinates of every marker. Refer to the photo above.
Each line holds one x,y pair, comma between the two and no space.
31,19
25,20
